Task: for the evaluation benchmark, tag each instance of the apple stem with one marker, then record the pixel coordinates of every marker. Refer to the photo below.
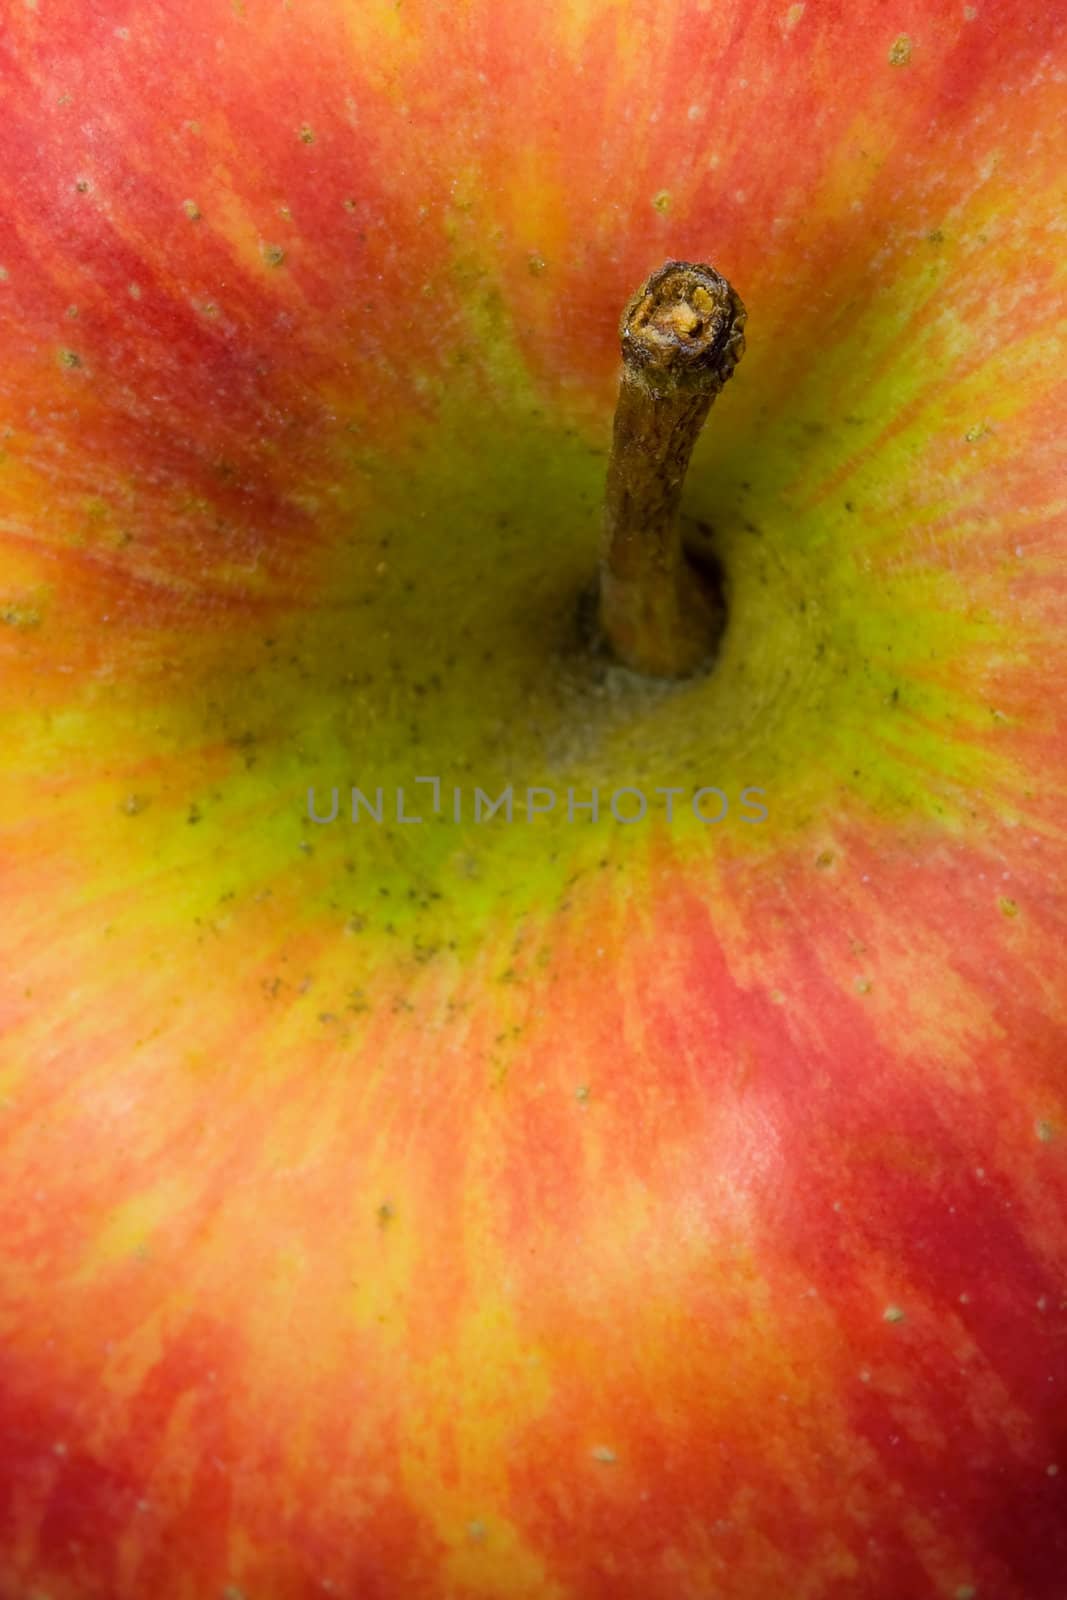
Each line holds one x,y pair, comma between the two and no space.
682,336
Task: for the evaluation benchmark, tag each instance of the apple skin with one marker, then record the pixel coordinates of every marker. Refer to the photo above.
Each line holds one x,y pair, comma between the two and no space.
556,1211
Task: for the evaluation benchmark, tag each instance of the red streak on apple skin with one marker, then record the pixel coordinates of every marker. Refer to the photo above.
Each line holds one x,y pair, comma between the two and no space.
800,1171
211,384
652,1246
816,90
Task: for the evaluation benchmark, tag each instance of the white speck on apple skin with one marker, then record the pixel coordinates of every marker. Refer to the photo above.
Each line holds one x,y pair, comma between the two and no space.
601,1452
191,209
892,1314
900,51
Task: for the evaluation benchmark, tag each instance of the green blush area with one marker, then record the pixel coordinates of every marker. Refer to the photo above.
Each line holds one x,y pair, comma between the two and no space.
438,636
442,641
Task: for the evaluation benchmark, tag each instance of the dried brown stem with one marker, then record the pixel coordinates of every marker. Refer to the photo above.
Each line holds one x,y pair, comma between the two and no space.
681,339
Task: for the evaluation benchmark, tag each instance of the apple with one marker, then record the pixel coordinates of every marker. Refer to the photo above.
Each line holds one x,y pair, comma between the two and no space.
564,1207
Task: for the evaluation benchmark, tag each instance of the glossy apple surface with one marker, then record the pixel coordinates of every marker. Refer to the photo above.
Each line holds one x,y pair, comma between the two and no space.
556,1210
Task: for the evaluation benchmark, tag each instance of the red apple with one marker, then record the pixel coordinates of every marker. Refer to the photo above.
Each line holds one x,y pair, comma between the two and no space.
565,1210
